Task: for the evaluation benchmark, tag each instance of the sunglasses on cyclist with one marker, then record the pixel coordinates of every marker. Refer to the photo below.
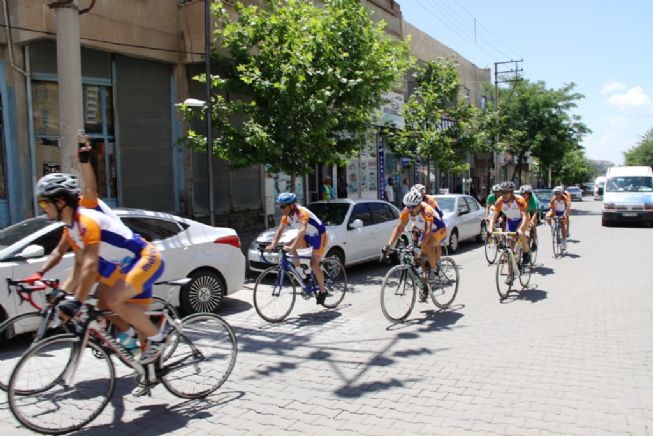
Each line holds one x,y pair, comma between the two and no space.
283,206
43,203
411,207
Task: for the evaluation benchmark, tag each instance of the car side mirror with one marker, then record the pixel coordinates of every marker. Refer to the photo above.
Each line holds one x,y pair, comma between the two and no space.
32,251
356,224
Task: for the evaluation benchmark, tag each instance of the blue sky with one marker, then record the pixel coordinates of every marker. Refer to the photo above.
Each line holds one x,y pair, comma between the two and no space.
604,47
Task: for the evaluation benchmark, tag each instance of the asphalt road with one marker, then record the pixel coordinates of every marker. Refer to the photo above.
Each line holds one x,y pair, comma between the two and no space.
572,354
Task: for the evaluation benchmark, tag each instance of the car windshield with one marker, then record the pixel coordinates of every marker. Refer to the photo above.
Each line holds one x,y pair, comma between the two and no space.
447,204
15,233
573,188
331,214
543,195
629,184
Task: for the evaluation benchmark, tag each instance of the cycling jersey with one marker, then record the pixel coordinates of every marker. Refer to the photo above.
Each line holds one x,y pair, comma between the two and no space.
513,209
425,215
559,206
144,263
533,205
491,199
98,205
431,201
299,215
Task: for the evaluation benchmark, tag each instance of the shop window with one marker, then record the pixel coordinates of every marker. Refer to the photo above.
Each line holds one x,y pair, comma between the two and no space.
98,124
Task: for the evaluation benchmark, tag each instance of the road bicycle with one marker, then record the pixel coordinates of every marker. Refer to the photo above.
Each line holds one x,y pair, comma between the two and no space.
559,242
39,323
510,265
64,382
275,290
400,284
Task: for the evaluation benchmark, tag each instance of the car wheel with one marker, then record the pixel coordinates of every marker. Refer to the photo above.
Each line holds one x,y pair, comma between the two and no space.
453,241
203,293
481,234
338,254
605,223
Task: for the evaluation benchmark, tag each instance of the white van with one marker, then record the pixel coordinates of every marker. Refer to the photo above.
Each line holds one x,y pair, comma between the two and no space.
628,195
599,186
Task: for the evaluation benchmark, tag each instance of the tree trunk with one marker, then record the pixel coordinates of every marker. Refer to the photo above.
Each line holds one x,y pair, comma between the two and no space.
293,183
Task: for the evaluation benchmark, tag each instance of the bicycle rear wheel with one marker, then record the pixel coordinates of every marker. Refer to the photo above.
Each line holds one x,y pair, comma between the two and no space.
398,293
444,292
533,251
203,359
274,294
491,249
335,282
38,396
505,275
525,270
557,251
13,349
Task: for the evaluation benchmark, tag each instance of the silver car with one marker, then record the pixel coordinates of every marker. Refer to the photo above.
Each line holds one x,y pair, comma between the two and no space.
463,216
575,192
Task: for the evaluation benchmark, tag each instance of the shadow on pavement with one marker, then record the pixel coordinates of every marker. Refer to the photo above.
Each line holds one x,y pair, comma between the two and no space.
585,212
232,306
314,318
572,255
174,417
532,295
543,270
433,320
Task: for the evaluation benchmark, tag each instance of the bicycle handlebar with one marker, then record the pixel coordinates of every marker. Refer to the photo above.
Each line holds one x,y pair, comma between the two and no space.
47,283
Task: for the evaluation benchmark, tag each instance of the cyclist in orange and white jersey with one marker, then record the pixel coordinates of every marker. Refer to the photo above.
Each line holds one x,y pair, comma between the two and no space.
90,234
311,233
515,209
423,218
559,208
428,199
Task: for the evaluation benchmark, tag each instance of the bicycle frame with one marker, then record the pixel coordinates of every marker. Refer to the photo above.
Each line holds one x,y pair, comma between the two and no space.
286,265
93,330
25,293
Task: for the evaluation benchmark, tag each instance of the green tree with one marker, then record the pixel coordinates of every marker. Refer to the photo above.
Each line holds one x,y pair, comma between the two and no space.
538,121
440,126
642,153
574,168
299,83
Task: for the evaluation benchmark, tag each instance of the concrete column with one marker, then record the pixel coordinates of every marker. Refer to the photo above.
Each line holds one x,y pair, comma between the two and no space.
69,70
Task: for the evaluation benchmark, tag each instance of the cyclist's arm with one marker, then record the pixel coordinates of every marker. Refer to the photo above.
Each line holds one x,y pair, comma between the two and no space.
428,229
70,284
55,256
90,184
303,226
88,271
398,230
277,235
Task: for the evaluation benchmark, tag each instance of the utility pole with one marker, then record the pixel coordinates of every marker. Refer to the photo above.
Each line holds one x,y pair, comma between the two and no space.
515,70
209,106
69,71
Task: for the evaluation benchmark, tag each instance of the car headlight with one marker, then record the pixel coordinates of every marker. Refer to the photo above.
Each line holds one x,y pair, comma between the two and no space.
254,245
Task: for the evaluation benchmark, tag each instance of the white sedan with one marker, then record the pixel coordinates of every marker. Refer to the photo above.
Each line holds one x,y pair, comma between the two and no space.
463,216
357,231
210,256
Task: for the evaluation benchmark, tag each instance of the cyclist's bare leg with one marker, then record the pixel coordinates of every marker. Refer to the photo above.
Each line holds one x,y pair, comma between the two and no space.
316,257
101,293
118,301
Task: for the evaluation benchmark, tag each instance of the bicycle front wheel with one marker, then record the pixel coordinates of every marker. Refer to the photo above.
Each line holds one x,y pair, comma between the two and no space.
398,292
12,350
41,399
444,292
491,249
505,275
274,294
533,250
335,282
203,359
555,236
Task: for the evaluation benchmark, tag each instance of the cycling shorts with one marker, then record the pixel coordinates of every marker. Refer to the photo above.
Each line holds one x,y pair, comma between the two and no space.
438,233
318,242
513,225
138,272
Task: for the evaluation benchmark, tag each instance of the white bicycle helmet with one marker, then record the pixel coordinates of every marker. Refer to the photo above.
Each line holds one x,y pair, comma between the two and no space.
419,188
412,198
56,185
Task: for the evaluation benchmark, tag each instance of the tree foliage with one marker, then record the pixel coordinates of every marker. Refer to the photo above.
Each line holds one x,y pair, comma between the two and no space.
300,82
642,153
574,168
440,126
538,121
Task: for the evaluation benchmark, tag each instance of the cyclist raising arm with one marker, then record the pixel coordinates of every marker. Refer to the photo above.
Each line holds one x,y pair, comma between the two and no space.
311,233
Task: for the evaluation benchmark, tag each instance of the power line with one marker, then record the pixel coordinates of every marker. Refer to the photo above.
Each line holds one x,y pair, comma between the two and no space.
121,44
486,29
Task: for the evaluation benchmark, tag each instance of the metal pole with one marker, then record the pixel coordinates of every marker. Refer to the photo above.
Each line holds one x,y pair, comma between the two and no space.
69,71
209,111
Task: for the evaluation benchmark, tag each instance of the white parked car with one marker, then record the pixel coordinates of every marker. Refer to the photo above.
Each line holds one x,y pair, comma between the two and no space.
210,256
463,216
357,231
575,192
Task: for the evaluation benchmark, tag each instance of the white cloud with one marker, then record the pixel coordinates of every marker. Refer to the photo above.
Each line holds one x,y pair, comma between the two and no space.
634,102
619,121
611,86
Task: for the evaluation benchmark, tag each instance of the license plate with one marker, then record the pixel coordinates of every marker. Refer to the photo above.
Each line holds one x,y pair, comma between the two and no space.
629,214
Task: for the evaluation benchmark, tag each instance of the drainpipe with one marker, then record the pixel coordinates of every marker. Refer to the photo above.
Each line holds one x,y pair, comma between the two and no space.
10,44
